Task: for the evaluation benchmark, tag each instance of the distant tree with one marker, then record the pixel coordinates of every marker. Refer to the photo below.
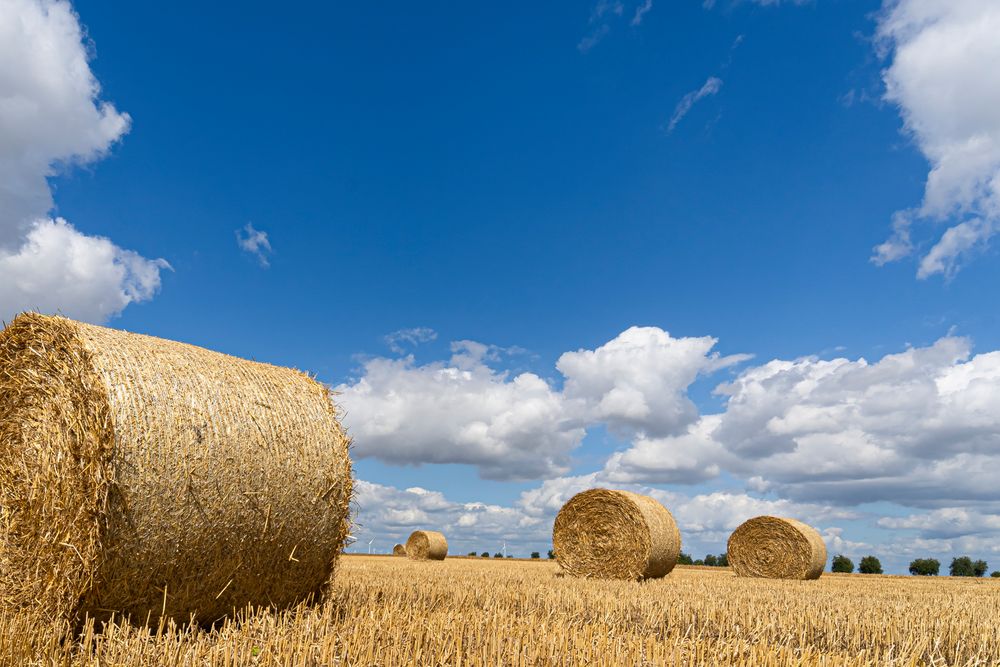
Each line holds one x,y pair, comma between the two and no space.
962,567
995,573
979,568
552,554
724,560
485,554
698,562
472,553
685,559
535,554
842,563
870,565
925,567
711,560
498,555
509,556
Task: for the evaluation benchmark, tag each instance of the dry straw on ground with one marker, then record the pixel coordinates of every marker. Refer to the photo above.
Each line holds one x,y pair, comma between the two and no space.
151,478
399,550
426,545
776,548
608,534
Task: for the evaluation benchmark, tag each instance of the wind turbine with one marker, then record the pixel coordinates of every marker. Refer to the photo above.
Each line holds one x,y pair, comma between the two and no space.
370,545
504,549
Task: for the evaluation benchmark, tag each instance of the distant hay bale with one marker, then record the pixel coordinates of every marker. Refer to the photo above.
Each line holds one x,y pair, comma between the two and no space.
607,534
399,550
426,545
150,478
776,548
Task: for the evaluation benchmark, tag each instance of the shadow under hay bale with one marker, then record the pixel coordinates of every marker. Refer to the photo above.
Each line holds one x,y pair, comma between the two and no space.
426,545
146,478
399,550
606,534
776,548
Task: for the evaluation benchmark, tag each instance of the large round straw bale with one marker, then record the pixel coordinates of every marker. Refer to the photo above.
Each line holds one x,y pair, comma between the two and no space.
399,550
608,534
426,545
150,478
776,548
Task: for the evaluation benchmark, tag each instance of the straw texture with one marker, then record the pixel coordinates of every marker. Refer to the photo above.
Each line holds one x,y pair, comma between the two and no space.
399,550
426,545
776,548
150,478
607,534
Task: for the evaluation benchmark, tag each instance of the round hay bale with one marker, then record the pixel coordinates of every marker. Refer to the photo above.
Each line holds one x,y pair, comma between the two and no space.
399,550
776,548
607,534
426,545
148,478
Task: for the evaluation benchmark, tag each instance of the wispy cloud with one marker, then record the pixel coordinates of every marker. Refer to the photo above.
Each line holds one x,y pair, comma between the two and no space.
606,12
412,336
255,242
591,40
710,87
641,11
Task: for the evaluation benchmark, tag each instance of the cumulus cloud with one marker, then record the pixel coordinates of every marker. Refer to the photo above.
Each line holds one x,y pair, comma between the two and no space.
520,427
711,86
85,277
943,78
638,381
255,242
51,118
460,412
920,428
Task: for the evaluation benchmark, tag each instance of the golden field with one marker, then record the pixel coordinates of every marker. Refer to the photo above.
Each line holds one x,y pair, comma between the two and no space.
463,611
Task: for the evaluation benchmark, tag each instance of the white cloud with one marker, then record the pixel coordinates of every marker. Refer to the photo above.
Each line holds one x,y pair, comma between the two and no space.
946,523
638,381
688,458
58,269
711,86
944,80
51,118
921,427
459,412
466,411
254,242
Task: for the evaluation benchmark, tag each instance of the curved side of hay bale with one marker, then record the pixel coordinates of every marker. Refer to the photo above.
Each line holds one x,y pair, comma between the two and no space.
776,548
427,545
399,550
172,480
608,534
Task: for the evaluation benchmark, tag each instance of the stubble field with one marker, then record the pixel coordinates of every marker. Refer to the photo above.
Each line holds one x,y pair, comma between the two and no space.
392,611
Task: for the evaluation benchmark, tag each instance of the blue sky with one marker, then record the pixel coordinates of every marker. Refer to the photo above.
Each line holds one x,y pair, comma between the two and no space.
596,197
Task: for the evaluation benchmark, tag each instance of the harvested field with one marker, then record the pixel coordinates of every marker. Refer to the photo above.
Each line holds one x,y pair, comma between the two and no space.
393,611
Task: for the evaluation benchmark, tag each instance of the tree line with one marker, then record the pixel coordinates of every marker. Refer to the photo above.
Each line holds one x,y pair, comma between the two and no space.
961,566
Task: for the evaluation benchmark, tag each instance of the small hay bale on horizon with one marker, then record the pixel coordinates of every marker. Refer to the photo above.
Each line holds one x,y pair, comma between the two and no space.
399,550
608,534
148,478
426,545
776,548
